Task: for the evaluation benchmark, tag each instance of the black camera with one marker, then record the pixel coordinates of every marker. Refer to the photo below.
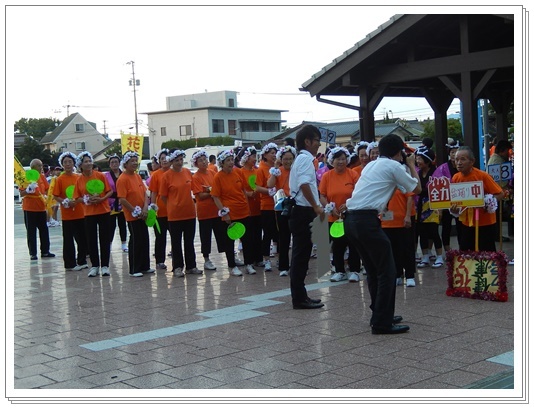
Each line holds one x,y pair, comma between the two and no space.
287,205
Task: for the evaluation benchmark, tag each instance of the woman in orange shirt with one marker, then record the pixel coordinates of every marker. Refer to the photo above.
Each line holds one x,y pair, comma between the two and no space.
175,190
336,187
97,214
248,169
229,196
268,219
72,215
206,209
280,180
132,194
363,157
160,245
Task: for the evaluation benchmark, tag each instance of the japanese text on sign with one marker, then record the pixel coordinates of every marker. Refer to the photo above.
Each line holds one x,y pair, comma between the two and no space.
442,194
501,171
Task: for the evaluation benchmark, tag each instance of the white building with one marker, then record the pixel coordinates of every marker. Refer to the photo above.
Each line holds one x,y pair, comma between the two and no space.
211,114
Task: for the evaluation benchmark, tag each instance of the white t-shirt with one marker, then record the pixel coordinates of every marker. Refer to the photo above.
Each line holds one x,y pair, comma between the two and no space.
378,182
303,172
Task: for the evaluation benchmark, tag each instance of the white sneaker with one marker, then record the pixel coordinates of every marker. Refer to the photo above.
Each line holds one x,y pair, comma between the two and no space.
80,267
338,277
250,269
274,249
284,273
410,282
511,262
105,271
93,272
438,263
208,265
149,271
136,274
268,266
314,252
354,277
240,246
193,271
239,262
179,272
236,272
399,281
125,247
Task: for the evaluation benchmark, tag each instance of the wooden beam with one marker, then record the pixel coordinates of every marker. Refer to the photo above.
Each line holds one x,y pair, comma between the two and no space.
482,83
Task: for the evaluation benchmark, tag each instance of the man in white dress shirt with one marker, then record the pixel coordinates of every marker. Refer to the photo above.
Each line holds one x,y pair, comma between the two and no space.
370,197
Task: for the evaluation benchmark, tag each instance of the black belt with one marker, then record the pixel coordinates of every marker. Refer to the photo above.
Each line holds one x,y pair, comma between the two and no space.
363,211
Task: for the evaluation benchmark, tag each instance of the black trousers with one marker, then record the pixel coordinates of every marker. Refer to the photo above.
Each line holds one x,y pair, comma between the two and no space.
160,244
98,233
229,244
363,228
429,231
486,238
446,226
185,229
36,221
339,245
254,223
117,218
74,231
268,224
138,247
299,225
207,227
402,244
284,240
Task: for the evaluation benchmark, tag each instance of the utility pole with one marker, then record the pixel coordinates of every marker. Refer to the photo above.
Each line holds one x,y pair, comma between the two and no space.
134,82
105,120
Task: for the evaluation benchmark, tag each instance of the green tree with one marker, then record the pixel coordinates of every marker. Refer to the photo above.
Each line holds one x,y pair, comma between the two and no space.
454,129
32,149
36,127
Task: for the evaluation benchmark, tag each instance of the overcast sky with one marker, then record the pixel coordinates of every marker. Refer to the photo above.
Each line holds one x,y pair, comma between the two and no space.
77,55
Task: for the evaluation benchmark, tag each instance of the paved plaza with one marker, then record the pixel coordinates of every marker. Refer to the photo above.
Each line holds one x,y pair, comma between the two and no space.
216,331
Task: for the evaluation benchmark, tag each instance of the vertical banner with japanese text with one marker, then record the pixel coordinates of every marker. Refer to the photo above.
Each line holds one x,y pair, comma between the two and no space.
132,143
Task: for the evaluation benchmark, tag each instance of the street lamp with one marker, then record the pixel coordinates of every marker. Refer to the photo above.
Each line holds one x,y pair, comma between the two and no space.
134,82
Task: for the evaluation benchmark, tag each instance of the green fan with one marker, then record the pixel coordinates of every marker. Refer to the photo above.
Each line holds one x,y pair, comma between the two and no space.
95,186
236,230
336,229
252,182
32,175
69,191
151,220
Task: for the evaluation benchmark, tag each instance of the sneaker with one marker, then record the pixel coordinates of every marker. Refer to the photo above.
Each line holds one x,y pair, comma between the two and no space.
80,267
338,277
193,270
208,265
410,282
284,273
274,249
259,264
399,281
161,266
33,257
57,223
46,255
93,272
179,272
239,262
105,271
124,247
149,271
314,252
250,269
136,274
267,266
236,272
511,262
354,277
423,263
438,263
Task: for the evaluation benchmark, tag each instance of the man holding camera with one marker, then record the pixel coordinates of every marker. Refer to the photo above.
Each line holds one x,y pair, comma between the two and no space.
303,187
371,195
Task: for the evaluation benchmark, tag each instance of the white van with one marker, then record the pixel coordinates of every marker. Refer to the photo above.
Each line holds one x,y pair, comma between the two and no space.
143,169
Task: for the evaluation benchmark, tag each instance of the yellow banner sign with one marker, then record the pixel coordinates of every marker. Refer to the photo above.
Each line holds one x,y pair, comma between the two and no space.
20,175
132,143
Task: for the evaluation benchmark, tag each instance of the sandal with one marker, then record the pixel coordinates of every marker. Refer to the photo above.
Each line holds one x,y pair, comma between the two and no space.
437,264
423,264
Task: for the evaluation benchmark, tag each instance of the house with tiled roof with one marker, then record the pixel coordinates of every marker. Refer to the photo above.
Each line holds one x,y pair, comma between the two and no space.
75,134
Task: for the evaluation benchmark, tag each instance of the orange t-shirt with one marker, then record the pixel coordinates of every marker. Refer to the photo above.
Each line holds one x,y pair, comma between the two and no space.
62,183
282,181
490,187
398,206
358,169
213,167
133,189
338,187
254,201
80,190
176,186
155,184
36,202
206,208
228,187
262,176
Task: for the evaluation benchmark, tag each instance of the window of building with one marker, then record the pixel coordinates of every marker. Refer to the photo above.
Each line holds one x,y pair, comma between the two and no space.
163,131
80,146
232,126
231,103
250,126
217,125
80,128
271,126
185,130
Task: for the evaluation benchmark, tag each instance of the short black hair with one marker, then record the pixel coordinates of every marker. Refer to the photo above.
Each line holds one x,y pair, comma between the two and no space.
390,145
503,146
306,132
212,158
289,141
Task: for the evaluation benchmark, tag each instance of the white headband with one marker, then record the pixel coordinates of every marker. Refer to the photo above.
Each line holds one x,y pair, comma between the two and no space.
175,154
65,155
361,145
334,151
423,151
164,150
285,149
247,154
223,155
454,145
80,157
127,156
370,147
268,147
197,156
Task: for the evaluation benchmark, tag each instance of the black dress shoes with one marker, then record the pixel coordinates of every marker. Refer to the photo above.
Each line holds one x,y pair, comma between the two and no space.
314,300
397,319
394,329
307,305
48,255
